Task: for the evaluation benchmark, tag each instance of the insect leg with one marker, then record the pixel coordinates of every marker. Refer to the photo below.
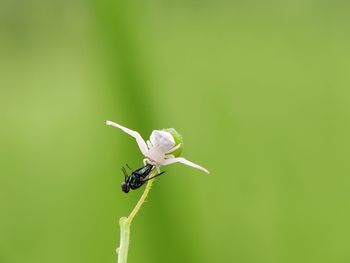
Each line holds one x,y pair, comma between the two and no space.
125,173
128,167
153,177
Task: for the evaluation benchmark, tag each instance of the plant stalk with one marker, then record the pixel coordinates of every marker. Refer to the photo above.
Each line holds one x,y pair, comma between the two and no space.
125,223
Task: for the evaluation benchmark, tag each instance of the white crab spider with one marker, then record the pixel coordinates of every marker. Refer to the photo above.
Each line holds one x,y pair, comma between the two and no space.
159,148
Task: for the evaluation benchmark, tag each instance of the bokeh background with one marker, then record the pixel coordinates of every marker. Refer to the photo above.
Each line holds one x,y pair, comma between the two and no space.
260,91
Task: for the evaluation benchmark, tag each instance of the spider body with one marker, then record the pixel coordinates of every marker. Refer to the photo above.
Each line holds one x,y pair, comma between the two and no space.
160,145
161,149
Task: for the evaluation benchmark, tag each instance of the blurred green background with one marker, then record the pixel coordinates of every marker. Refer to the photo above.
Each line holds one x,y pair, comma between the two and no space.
260,91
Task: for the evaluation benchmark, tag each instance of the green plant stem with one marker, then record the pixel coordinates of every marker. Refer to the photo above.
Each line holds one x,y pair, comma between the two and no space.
124,240
125,223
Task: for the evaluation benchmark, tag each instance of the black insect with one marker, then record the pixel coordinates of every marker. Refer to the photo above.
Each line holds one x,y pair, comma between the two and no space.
137,178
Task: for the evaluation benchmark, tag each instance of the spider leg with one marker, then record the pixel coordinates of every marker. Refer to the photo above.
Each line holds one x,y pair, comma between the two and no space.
184,161
174,148
149,144
140,142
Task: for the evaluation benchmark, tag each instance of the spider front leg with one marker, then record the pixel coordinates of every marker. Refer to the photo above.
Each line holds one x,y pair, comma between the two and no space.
149,144
140,141
184,161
